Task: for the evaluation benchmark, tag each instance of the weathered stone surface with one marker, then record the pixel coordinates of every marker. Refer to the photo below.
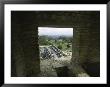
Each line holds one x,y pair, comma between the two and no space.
62,71
47,52
25,51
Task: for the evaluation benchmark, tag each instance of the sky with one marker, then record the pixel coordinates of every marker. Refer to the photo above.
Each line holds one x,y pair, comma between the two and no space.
55,31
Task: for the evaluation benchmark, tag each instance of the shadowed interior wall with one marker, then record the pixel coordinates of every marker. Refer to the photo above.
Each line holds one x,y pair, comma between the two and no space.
86,46
24,38
86,40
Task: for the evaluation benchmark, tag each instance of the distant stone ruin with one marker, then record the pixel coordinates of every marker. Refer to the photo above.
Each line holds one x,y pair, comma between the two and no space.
48,52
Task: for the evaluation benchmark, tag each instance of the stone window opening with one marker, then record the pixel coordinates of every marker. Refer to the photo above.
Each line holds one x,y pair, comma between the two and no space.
55,51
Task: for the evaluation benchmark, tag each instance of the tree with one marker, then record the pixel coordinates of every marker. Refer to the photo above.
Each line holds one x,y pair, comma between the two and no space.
60,46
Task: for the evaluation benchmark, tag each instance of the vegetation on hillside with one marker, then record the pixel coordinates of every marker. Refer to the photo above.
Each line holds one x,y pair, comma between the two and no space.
62,42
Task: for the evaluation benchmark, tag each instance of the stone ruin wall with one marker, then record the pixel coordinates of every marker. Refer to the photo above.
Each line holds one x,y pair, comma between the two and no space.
86,39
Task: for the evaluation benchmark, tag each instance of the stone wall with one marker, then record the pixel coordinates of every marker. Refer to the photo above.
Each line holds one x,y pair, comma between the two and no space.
25,51
86,47
86,39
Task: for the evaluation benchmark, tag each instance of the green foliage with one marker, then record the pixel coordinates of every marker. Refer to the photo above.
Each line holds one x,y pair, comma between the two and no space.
43,40
62,42
60,46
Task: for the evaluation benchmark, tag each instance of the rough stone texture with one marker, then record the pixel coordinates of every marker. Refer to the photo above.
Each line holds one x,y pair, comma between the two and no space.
86,47
86,40
25,52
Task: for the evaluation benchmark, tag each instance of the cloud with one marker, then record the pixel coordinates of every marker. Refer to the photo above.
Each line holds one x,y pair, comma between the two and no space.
55,31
